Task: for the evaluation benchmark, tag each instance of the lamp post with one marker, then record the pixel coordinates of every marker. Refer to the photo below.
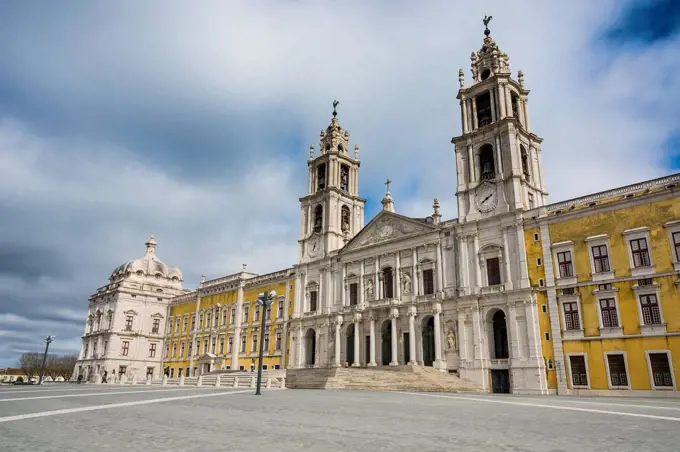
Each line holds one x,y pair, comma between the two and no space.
48,341
264,300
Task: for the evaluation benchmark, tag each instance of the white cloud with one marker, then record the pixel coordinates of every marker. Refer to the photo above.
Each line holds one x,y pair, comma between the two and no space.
394,68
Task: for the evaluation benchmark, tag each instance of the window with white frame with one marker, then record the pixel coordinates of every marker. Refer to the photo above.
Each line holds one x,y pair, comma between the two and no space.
246,311
639,254
280,305
193,322
571,316
233,315
609,313
563,257
570,301
181,349
230,344
254,342
205,346
174,349
278,340
243,344
579,371
661,373
673,228
125,349
224,316
600,262
186,324
618,372
649,305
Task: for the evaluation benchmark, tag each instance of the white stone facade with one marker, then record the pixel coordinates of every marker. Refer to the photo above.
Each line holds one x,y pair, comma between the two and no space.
454,294
126,322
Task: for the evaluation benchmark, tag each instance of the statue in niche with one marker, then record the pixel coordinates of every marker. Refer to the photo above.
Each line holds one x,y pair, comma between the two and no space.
345,217
405,284
344,178
369,288
451,338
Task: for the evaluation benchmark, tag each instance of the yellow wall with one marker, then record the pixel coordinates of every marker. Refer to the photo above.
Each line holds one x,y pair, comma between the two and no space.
226,300
653,216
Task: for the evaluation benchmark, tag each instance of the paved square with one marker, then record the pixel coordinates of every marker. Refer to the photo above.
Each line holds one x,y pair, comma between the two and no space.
85,418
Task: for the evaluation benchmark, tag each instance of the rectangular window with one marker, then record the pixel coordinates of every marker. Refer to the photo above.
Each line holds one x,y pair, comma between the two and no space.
125,349
650,310
676,245
617,370
221,345
579,376
181,349
279,314
200,321
233,315
152,350
156,326
564,262
254,342
610,318
205,345
87,351
278,341
186,323
571,319
191,347
128,323
213,345
207,319
193,322
388,283
230,344
177,326
122,370
428,282
600,258
353,294
493,271
246,311
174,349
268,314
257,313
638,248
661,369
312,301
224,316
216,320
198,346
243,344
266,342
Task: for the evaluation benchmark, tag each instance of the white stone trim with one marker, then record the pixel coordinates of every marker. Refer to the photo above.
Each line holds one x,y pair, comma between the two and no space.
633,234
571,379
651,329
558,248
575,298
604,295
670,365
672,227
606,366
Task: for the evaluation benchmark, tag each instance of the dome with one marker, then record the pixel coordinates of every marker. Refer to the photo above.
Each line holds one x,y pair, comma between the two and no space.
148,265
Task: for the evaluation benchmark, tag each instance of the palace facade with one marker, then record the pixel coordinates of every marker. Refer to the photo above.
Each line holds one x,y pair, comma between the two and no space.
516,295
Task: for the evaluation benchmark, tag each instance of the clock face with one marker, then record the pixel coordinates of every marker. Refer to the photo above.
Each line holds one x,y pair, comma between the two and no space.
314,246
385,231
486,197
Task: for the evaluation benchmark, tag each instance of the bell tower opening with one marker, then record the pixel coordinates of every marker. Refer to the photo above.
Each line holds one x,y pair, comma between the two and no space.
498,157
332,207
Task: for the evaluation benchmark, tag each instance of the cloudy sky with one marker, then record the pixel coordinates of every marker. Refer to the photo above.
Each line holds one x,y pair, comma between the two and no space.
118,119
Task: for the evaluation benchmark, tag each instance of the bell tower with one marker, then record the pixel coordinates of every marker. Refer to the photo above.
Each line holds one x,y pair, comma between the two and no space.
498,158
332,212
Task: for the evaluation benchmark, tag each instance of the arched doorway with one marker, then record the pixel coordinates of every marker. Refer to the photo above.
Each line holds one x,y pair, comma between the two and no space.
349,332
386,342
428,340
500,336
310,347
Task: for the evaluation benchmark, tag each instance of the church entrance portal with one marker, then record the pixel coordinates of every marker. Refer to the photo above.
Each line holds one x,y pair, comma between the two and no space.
500,336
349,332
500,381
310,347
386,343
428,341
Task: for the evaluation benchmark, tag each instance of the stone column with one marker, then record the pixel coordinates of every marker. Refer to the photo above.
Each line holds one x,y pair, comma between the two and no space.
471,164
533,329
412,336
343,286
361,295
440,275
371,349
492,97
338,327
522,255
475,125
397,278
513,339
394,315
501,100
464,264
476,334
236,347
526,114
415,287
436,311
463,115
475,265
378,286
506,260
499,162
319,297
357,349
462,349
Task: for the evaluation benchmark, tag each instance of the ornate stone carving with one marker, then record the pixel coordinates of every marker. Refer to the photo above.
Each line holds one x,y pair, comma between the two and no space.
436,308
368,283
451,339
405,283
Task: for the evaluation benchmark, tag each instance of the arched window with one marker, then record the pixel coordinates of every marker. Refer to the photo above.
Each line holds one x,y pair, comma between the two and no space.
486,162
515,105
318,218
345,219
483,109
344,177
321,176
340,148
525,162
388,283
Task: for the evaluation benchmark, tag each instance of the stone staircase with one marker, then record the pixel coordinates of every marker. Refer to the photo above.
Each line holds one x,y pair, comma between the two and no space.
387,378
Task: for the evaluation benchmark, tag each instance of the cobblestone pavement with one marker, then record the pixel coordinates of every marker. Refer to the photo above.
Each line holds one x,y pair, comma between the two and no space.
86,418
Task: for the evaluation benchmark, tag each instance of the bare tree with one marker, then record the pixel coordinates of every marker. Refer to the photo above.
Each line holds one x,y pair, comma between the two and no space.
30,364
52,366
66,365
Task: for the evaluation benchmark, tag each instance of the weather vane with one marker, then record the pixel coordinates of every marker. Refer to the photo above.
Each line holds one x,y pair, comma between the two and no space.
486,21
335,104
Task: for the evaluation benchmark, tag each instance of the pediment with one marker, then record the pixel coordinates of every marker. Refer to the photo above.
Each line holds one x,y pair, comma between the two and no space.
387,227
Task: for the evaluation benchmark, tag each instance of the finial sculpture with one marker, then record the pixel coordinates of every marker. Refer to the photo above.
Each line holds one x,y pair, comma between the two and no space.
486,21
520,79
335,105
311,152
356,152
461,78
